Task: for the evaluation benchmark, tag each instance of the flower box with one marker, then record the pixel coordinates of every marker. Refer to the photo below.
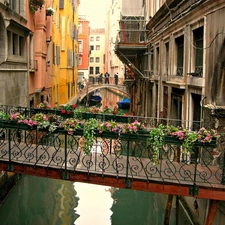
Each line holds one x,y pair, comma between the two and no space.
14,125
211,144
172,140
134,137
108,134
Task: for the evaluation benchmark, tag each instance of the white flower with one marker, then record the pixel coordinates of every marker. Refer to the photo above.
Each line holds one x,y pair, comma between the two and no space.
50,10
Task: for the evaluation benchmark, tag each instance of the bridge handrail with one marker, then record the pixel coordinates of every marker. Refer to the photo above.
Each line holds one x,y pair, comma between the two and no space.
114,155
150,122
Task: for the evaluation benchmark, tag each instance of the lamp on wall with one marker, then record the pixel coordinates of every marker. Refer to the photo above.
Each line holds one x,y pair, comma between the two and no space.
49,39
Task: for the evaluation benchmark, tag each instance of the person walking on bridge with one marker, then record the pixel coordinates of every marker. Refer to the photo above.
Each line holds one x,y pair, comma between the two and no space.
116,77
106,78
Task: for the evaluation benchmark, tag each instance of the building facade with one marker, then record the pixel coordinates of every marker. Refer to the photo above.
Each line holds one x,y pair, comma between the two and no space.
39,22
13,54
178,68
83,49
65,51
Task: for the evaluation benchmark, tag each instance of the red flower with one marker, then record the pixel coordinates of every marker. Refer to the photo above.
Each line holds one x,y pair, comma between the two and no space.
63,111
114,112
126,114
74,106
68,112
106,107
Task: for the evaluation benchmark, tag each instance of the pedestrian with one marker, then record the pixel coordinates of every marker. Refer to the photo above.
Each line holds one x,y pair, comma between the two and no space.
106,78
116,77
101,78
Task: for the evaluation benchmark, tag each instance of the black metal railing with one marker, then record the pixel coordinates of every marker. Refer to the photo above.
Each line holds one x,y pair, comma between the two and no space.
150,122
114,154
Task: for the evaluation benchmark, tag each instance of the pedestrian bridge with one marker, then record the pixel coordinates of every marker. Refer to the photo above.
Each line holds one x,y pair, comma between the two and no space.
114,160
93,87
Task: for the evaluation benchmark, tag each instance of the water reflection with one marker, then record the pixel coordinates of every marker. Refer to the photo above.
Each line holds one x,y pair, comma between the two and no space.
94,205
37,200
44,201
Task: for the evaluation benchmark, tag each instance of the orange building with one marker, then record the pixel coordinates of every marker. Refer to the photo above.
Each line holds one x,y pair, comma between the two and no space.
83,49
39,17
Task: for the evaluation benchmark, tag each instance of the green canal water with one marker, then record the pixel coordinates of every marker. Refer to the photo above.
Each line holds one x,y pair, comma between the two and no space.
44,201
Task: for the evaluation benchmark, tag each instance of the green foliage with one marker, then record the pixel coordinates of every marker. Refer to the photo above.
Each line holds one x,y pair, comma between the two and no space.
156,141
189,140
4,116
89,134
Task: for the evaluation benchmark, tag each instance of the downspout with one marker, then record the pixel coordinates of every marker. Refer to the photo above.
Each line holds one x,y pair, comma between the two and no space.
73,42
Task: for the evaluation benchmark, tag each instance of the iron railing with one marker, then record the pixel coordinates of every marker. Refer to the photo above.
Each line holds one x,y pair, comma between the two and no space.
124,156
150,122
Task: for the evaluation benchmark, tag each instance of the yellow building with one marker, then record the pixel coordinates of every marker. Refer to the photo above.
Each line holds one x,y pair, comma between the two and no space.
64,51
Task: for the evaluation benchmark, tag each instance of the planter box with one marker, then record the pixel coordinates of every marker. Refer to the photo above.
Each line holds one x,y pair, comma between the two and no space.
107,134
173,140
134,137
212,144
14,125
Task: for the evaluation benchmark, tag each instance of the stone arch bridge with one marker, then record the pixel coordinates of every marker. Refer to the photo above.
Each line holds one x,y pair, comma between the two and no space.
93,87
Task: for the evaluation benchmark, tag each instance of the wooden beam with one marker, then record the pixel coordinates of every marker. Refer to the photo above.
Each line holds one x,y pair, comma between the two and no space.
168,210
212,212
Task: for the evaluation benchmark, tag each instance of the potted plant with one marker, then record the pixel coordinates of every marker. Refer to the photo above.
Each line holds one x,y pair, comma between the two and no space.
49,11
132,128
206,136
41,122
109,129
70,125
36,4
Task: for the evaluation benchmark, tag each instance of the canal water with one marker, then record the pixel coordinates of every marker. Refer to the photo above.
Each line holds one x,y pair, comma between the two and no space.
44,201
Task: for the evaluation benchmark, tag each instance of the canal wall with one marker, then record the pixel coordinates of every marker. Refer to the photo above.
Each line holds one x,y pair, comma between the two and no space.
200,212
7,182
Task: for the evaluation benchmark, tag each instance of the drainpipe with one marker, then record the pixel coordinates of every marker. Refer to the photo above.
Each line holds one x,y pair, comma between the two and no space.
73,41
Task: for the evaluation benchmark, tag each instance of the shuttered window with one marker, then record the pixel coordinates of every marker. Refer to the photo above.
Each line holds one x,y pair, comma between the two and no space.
57,55
61,4
180,55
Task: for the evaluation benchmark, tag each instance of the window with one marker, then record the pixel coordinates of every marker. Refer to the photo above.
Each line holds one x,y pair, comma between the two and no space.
61,4
152,59
91,59
68,86
91,70
91,38
92,47
157,61
57,55
167,58
180,55
97,47
80,46
97,59
16,44
97,38
80,61
79,28
198,51
69,57
97,70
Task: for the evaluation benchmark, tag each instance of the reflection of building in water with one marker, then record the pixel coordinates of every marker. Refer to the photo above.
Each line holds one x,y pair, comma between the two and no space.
66,201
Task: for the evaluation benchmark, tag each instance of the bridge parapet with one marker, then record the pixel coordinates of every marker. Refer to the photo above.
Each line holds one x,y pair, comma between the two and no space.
124,158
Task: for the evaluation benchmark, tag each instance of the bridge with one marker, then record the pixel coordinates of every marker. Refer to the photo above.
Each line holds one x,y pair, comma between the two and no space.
93,87
114,160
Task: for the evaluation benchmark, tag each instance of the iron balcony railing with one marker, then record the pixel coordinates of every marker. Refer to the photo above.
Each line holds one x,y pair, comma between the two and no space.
114,154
